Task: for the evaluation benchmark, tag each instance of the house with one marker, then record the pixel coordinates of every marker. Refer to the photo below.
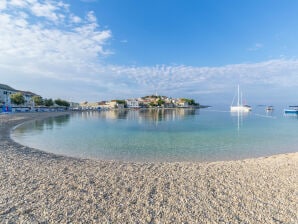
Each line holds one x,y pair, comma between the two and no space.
120,106
5,92
182,103
112,104
144,102
132,103
28,96
90,105
74,105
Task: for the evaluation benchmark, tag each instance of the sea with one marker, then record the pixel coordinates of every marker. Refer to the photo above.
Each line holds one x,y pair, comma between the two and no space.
164,135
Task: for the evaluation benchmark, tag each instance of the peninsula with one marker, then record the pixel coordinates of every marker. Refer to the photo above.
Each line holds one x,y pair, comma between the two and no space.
12,100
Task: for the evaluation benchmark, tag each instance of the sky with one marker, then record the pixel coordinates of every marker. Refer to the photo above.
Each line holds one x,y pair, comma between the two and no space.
93,50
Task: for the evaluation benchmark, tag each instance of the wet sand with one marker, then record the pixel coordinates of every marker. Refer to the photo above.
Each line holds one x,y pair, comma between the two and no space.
40,187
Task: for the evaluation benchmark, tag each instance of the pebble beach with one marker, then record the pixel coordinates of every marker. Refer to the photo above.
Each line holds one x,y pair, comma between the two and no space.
40,187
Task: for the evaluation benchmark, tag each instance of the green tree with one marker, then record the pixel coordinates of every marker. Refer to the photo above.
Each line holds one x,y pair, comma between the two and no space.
160,102
152,104
60,102
48,102
189,101
120,101
38,101
17,98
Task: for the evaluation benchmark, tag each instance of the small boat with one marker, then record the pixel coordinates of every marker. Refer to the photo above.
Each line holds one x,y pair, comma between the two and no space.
269,108
239,107
291,110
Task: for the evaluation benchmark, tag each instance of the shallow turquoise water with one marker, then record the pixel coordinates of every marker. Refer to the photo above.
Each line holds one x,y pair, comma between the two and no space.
163,135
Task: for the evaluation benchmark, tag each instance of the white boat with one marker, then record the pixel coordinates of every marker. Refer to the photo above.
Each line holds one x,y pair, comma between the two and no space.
239,107
293,110
269,108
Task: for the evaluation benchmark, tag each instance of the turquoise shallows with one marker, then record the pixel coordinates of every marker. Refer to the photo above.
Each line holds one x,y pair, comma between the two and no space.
163,135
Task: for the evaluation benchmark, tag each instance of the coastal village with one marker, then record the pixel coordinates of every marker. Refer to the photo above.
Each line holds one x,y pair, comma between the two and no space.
12,100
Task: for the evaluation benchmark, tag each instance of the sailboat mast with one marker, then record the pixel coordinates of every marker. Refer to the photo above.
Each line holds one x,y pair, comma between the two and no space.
238,103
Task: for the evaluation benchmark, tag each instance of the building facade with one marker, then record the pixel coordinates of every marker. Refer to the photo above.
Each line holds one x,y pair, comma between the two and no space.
132,103
5,101
5,92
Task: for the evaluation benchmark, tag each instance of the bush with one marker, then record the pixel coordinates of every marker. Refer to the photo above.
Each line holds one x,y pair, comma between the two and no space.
48,102
60,102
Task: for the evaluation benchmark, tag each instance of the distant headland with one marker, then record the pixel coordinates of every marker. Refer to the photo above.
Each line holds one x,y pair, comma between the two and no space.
12,100
151,101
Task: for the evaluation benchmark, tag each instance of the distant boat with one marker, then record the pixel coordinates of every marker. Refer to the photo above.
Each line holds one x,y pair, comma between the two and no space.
269,108
239,107
291,110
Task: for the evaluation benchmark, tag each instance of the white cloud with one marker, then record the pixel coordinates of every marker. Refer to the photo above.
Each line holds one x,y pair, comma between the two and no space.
35,46
203,80
256,47
75,19
91,17
18,3
49,9
3,5
45,10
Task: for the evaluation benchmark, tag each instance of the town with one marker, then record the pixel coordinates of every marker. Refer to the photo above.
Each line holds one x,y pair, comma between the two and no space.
13,100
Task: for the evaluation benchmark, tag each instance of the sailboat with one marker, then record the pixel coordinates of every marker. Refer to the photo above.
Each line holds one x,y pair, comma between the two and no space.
239,107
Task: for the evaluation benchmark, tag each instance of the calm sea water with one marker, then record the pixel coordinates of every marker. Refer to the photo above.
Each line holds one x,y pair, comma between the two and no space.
163,135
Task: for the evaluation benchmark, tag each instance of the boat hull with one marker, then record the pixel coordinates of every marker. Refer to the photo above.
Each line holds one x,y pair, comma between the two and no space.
289,111
240,109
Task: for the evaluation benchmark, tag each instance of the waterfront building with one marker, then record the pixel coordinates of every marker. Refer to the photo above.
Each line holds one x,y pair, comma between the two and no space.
132,103
5,92
28,96
182,103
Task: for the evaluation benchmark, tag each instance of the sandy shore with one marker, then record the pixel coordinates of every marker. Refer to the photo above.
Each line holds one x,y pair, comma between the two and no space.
39,187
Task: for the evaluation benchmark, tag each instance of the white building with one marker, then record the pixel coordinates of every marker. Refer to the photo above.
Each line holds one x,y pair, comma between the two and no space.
90,105
183,104
28,96
132,103
5,92
74,105
115,104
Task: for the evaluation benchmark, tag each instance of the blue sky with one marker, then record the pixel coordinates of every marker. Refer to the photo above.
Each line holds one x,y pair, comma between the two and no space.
91,50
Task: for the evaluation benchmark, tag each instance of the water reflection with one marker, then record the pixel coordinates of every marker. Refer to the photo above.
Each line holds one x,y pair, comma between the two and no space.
162,135
141,115
261,111
270,113
239,117
47,124
291,116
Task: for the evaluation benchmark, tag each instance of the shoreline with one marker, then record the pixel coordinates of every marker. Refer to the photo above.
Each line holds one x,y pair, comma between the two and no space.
37,186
